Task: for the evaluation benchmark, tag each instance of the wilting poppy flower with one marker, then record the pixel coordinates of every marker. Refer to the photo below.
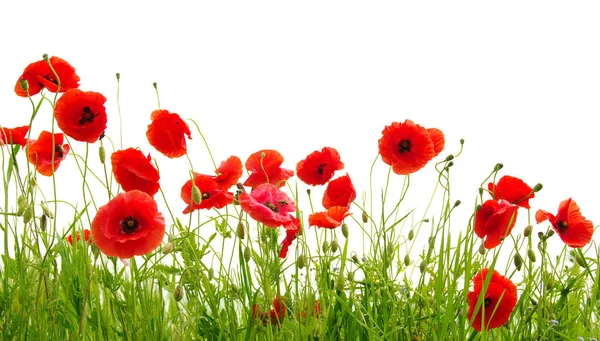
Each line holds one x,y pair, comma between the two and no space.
332,218
212,195
86,237
41,151
128,225
39,75
319,166
268,205
494,221
569,223
339,192
14,135
133,170
291,233
167,133
81,115
265,167
408,147
229,172
499,300
513,190
437,137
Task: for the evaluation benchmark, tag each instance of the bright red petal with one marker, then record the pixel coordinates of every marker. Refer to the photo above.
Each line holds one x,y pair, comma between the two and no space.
513,190
318,167
167,133
332,218
339,192
133,170
81,115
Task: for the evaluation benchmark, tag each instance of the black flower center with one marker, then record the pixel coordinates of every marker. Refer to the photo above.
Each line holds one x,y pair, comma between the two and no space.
87,116
404,146
271,206
562,226
321,168
487,302
129,225
58,149
205,195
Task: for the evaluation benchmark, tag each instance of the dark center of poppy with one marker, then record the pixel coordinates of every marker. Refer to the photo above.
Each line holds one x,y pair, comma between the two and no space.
205,195
271,206
129,225
321,168
487,302
49,78
562,226
58,149
404,146
87,116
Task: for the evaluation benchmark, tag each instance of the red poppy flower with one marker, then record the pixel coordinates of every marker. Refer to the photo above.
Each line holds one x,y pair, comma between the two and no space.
494,221
39,75
513,190
128,225
319,166
499,300
407,147
41,151
268,205
274,316
167,133
315,310
81,115
14,135
229,172
291,233
569,223
332,218
212,195
265,167
437,137
86,237
133,170
339,192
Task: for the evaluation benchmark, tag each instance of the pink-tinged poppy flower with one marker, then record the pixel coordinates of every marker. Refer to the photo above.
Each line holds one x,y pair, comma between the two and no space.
212,194
16,135
86,237
570,225
494,221
133,170
339,192
81,115
40,152
268,205
291,233
128,225
513,190
229,172
499,300
265,167
167,133
332,218
318,167
408,147
39,75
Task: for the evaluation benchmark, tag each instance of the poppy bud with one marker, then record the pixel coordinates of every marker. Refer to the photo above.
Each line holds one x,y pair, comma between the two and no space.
537,187
450,164
43,222
527,231
28,214
423,266
351,276
240,231
32,183
457,203
578,259
518,261
411,235
407,260
45,57
47,211
340,282
426,220
21,205
482,250
301,261
480,190
308,192
168,247
196,195
550,233
155,85
365,217
450,157
531,255
247,254
118,75
102,154
355,259
498,167
334,246
345,230
178,293
325,246
462,141
24,85
477,208
211,274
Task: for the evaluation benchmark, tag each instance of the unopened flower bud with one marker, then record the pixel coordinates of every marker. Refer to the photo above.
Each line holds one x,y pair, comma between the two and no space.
550,233
482,250
411,235
155,85
426,220
302,261
518,261
407,260
334,246
457,203
355,259
308,191
537,187
477,208
118,75
45,57
450,157
578,259
211,274
28,214
365,217
340,283
423,266
21,205
527,231
498,167
247,254
450,164
196,195
462,141
240,231
531,255
541,235
168,247
325,247
102,154
178,293
46,211
24,85
351,276
345,230
43,222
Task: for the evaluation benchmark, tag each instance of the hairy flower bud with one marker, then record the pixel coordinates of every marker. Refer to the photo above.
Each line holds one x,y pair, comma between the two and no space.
365,217
531,255
325,247
334,246
196,195
211,274
43,222
240,231
178,293
28,214
22,205
498,167
102,154
423,266
411,234
537,187
345,230
168,247
302,261
518,261
407,260
247,254
527,231
482,250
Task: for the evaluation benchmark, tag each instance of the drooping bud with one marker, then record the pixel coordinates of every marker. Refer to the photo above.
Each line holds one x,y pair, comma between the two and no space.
334,246
247,254
457,203
211,274
411,234
482,250
240,231
178,293
423,266
118,75
518,261
28,214
345,230
46,211
102,154
549,234
43,222
462,141
308,192
407,260
302,261
537,187
355,259
527,231
498,167
24,85
340,282
21,205
365,217
325,247
531,255
450,157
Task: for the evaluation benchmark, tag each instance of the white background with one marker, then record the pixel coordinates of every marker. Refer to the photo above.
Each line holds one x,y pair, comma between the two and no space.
519,81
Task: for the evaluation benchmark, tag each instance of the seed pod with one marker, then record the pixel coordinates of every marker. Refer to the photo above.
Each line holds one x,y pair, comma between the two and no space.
345,230
365,217
518,261
411,235
334,246
240,231
247,254
531,255
527,231
178,293
102,154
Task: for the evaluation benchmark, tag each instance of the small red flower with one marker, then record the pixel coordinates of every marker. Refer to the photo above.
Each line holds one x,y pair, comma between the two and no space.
167,133
274,316
212,194
229,172
408,147
569,223
318,167
128,225
499,300
39,75
16,135
86,237
513,190
332,218
339,192
81,115
265,167
494,221
41,151
133,170
291,233
269,206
